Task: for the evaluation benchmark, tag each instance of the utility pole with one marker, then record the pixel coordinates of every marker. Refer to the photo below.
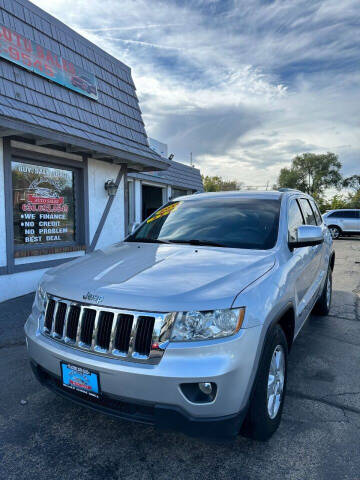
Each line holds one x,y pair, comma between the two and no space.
191,159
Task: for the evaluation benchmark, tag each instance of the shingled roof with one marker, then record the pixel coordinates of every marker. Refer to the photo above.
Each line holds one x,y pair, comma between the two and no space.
177,175
111,125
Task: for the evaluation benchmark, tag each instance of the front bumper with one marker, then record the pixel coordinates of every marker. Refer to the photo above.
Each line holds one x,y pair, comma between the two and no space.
165,417
230,363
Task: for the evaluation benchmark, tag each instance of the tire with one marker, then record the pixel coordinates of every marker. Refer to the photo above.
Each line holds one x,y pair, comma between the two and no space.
260,424
335,231
322,306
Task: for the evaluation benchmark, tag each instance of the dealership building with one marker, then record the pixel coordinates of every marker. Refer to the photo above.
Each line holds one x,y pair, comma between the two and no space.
77,170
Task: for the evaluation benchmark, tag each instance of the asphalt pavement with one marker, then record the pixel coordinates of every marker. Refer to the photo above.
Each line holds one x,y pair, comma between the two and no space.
43,436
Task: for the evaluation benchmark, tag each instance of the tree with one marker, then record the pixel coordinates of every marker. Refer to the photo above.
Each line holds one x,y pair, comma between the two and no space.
288,178
312,173
338,201
354,200
218,184
352,182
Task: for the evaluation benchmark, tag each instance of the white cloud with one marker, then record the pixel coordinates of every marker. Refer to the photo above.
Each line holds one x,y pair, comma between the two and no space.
244,85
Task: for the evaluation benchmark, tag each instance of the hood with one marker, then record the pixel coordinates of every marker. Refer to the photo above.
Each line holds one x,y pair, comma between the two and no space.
160,278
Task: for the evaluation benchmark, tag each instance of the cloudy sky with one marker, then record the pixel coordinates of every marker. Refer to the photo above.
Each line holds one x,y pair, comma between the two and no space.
243,84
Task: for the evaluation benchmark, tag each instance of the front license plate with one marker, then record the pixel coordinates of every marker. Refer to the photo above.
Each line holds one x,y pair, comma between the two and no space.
80,379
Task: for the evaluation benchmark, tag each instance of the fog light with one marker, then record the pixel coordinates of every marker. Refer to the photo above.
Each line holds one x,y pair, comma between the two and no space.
199,392
206,387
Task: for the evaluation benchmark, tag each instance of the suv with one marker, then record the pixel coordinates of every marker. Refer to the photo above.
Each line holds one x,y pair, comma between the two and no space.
342,222
187,324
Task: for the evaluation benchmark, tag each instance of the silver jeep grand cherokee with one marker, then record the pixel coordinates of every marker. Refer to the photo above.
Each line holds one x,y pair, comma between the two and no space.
187,324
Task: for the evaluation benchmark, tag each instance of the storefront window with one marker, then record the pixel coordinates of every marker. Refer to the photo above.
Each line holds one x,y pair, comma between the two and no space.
44,204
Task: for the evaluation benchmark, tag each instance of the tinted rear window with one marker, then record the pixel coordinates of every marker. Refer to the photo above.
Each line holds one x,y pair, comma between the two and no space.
344,214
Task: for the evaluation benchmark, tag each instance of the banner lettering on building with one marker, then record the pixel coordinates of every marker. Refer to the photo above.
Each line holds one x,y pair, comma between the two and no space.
28,54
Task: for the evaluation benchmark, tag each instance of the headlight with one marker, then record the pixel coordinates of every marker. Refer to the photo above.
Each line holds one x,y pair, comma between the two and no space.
191,326
40,299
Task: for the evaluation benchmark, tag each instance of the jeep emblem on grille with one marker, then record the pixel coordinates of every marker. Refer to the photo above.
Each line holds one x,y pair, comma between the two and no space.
93,298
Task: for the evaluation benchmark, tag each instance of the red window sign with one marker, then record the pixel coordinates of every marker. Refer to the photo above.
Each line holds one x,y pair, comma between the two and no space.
45,201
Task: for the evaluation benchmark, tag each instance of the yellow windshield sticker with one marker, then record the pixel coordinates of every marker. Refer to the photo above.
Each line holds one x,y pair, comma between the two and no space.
164,211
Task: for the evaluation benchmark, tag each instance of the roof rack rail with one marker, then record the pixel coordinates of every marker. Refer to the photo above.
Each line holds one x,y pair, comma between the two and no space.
289,190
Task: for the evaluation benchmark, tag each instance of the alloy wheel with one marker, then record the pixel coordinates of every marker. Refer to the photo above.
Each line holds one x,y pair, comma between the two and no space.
328,291
334,232
276,381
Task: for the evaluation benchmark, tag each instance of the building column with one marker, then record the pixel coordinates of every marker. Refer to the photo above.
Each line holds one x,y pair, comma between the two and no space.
138,201
2,210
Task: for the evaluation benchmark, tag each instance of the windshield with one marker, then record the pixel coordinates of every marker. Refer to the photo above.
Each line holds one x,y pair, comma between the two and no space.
226,222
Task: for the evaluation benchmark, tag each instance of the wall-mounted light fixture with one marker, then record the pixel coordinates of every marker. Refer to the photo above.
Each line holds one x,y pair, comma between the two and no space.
111,188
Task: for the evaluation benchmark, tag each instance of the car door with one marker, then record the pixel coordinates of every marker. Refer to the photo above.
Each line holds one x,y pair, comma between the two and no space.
350,220
312,258
322,249
299,274
357,224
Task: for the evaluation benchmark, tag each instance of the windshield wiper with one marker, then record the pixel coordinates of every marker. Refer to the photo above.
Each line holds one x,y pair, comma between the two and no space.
147,240
197,242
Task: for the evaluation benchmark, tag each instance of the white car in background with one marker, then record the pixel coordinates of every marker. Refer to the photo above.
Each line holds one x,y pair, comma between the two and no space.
343,222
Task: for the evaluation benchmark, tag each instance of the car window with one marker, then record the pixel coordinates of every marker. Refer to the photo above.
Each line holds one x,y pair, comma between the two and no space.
307,212
350,214
295,219
233,222
316,212
344,214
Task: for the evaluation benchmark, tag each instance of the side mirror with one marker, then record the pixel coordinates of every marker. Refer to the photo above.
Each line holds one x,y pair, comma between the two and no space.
134,227
307,236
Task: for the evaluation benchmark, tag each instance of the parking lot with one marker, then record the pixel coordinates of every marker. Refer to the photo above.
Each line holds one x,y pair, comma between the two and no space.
43,436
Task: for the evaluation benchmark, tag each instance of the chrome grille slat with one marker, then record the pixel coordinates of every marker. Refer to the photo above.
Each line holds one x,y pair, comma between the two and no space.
133,336
121,331
95,330
52,332
78,332
113,332
68,306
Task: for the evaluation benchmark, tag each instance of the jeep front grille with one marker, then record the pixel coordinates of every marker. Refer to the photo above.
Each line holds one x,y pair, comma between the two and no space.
115,333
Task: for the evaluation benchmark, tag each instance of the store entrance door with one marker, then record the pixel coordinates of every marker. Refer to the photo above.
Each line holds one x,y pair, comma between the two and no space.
152,199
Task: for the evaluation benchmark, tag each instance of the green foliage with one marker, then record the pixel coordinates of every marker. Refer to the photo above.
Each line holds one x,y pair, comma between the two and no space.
218,184
354,200
351,200
352,182
312,173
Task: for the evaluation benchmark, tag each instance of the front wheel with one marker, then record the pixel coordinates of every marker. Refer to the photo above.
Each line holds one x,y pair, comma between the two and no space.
335,231
266,404
322,306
